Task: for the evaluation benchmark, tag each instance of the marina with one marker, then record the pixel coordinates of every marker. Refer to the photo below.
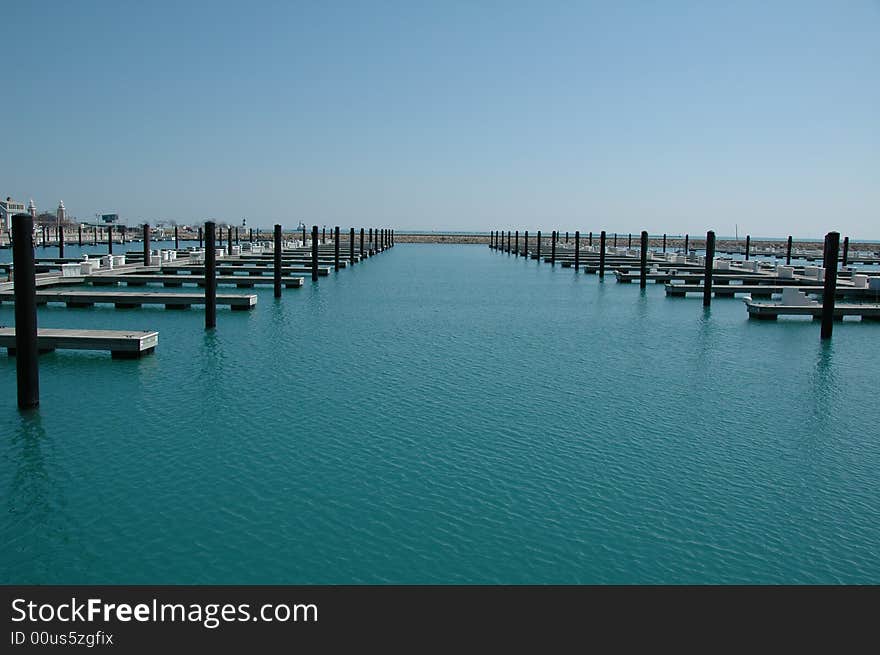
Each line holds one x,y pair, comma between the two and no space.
555,299
555,439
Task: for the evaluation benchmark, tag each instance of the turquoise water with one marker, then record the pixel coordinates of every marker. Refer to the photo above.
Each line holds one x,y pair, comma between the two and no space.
448,414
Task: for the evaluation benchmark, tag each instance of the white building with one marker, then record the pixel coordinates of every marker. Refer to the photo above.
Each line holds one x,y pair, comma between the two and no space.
8,209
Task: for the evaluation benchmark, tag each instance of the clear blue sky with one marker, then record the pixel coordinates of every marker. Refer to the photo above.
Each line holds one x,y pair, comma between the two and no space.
666,116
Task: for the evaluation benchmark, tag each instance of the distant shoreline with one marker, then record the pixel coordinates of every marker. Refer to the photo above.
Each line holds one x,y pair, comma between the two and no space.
672,242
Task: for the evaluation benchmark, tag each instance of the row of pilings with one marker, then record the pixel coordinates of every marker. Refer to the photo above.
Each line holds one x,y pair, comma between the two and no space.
23,273
509,242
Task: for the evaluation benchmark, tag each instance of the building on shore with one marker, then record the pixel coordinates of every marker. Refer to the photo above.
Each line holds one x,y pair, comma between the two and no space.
8,209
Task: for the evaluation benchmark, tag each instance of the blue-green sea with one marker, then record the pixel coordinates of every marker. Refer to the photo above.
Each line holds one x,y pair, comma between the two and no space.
448,414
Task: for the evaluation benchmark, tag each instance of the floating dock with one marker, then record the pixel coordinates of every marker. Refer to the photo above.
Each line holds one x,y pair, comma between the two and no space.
768,291
769,311
122,344
231,269
140,279
127,300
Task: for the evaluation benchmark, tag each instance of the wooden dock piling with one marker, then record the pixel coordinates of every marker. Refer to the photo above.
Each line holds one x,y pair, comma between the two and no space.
336,248
201,237
664,243
615,239
577,251
629,241
351,246
80,235
553,249
277,253
362,241
710,267
526,244
147,244
109,239
748,245
210,276
27,356
228,240
602,255
788,252
845,251
686,239
61,241
314,253
643,261
832,245
591,240
516,244
176,239
538,246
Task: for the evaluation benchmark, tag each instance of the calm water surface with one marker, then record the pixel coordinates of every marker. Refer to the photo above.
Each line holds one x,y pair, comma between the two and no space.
448,414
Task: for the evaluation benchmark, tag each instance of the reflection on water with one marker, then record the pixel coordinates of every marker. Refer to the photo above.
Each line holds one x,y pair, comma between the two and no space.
29,490
34,502
824,386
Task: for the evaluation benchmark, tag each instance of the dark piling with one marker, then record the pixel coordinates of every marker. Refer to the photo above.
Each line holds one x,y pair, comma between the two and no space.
278,264
314,253
210,276
26,352
832,245
710,266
